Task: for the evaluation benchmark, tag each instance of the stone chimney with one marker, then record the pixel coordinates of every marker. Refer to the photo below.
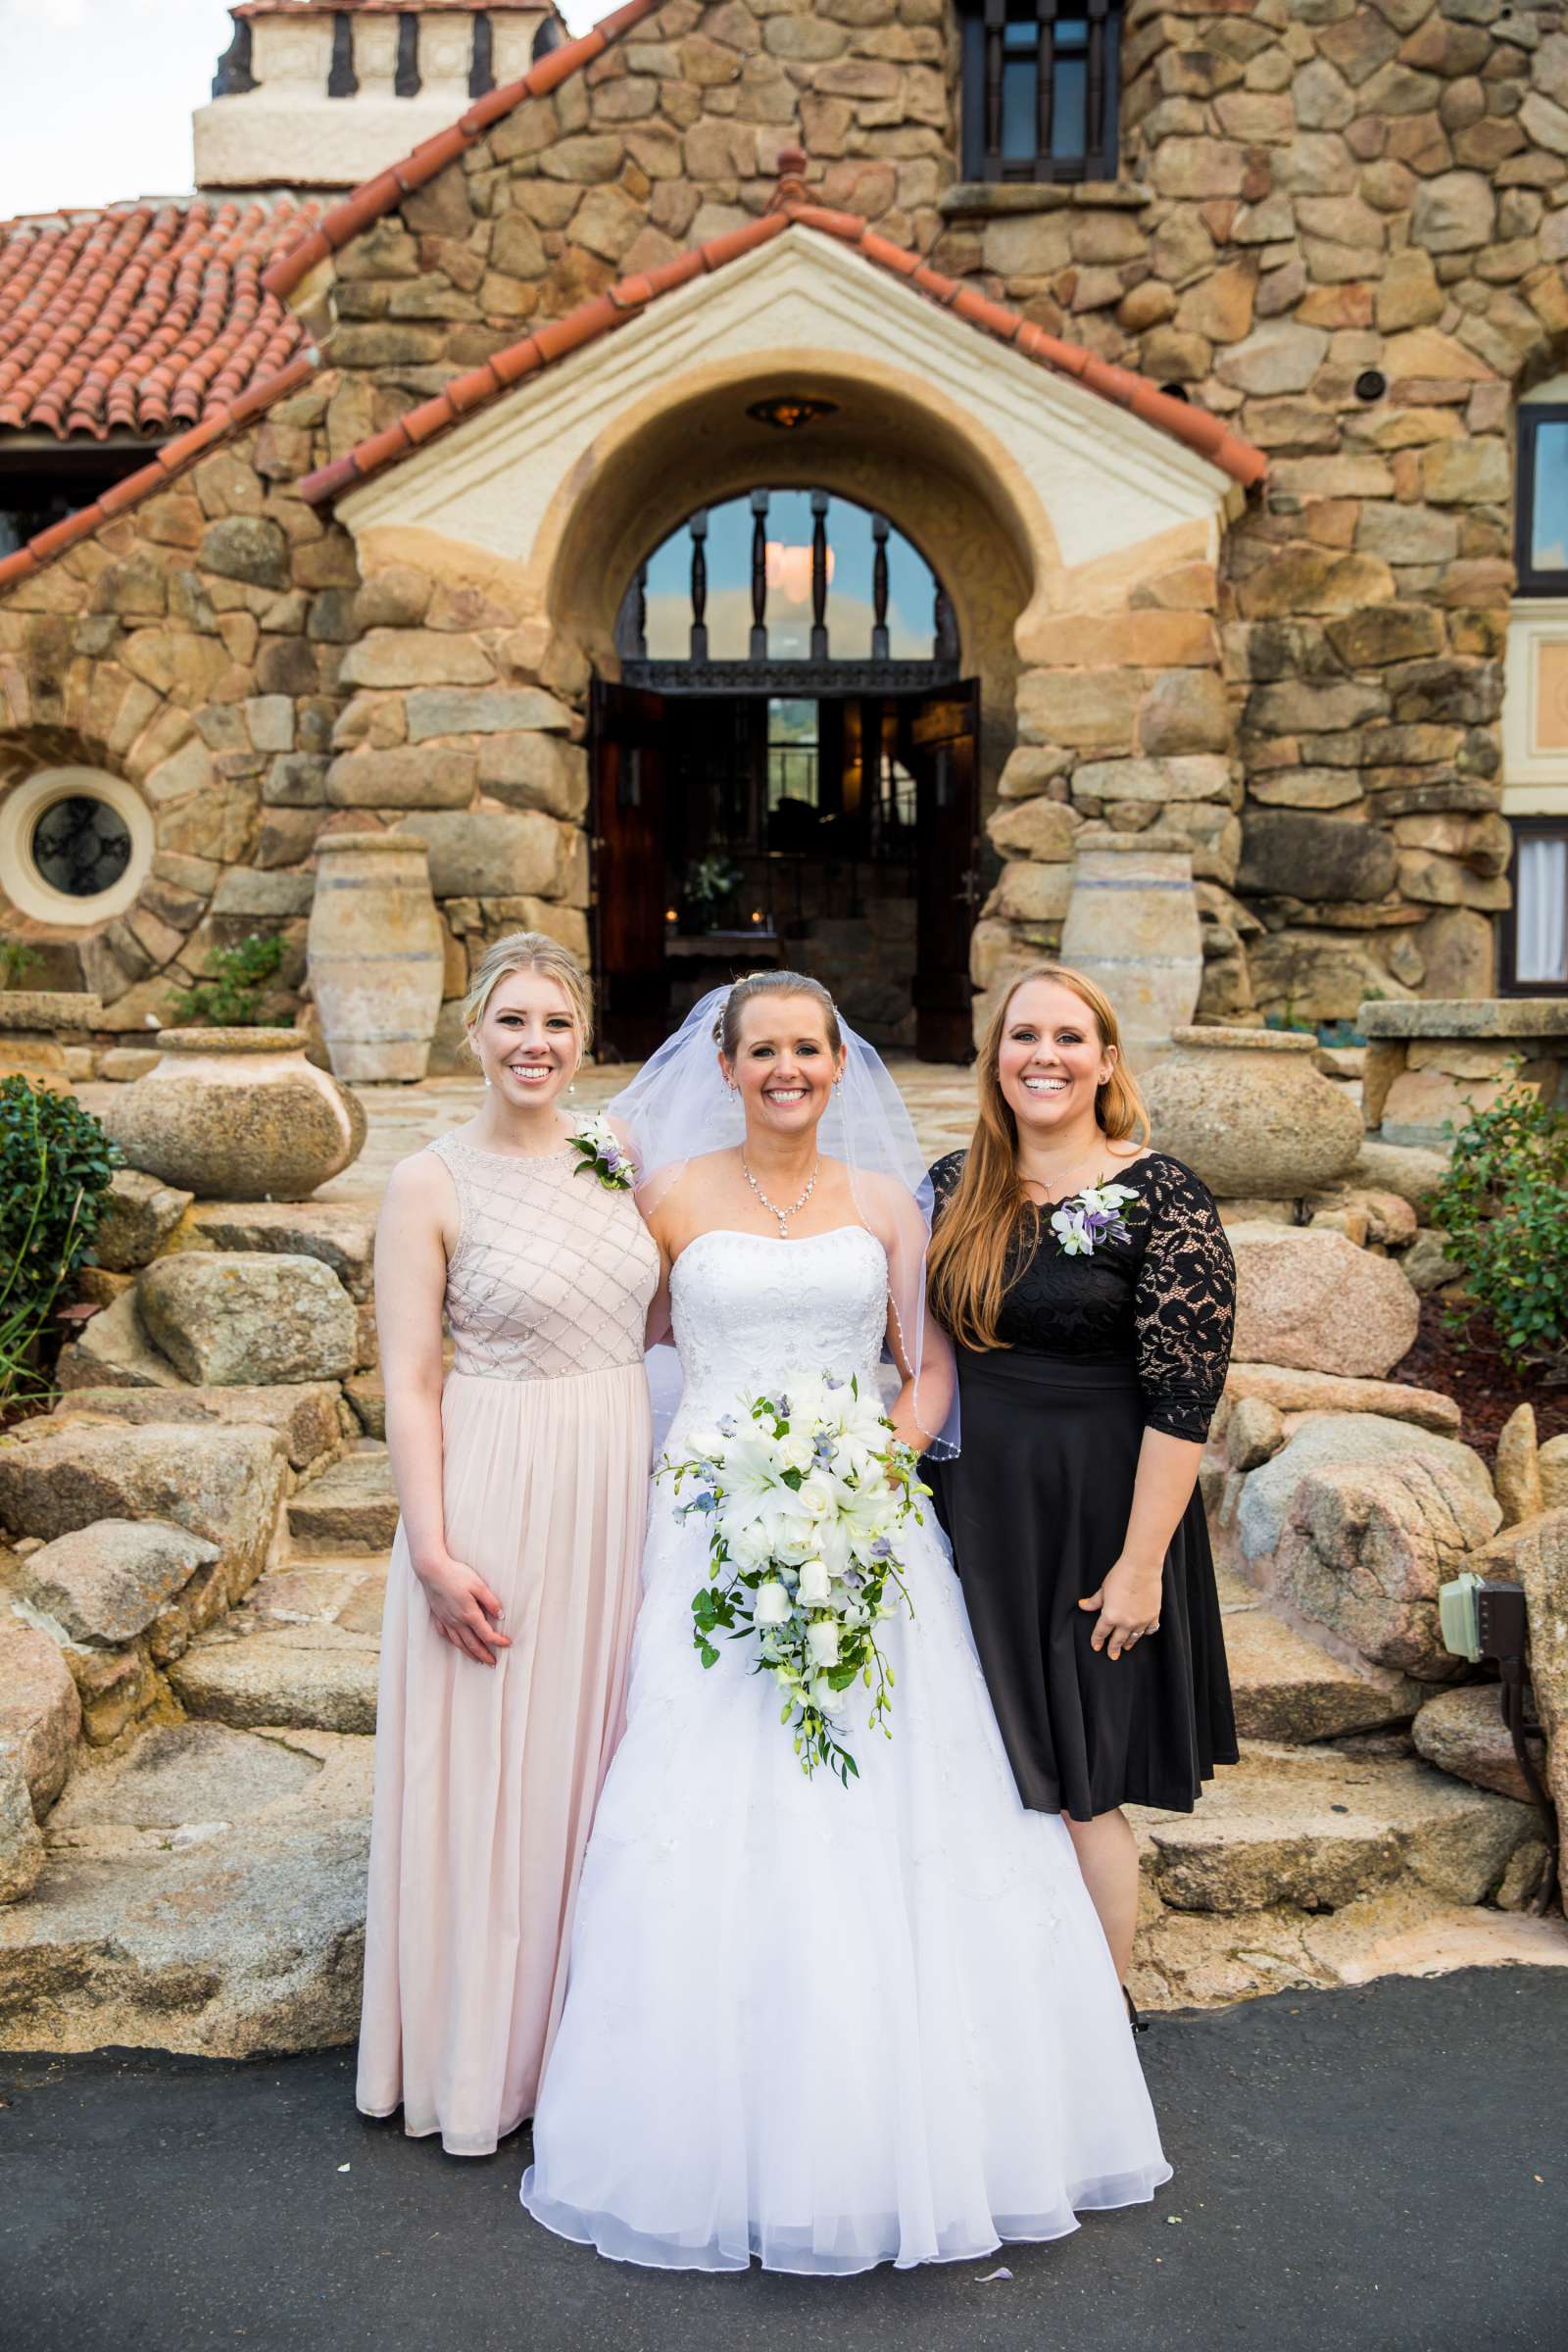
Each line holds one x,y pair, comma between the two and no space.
311,95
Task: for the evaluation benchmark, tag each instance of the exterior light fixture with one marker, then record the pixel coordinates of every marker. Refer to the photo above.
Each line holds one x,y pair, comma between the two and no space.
790,410
1371,384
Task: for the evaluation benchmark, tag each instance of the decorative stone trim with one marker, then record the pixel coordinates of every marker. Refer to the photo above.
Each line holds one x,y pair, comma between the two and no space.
984,199
26,887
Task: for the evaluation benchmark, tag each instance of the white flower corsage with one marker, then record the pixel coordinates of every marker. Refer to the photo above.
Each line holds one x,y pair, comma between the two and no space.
1091,1217
602,1154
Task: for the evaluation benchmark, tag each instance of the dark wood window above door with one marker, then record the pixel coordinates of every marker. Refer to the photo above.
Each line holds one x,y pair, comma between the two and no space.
786,591
1041,89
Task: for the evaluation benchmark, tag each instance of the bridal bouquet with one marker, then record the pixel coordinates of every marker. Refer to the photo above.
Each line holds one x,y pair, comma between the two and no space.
803,1492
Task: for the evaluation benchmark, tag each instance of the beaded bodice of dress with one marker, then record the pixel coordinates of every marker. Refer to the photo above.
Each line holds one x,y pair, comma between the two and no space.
553,1272
748,1310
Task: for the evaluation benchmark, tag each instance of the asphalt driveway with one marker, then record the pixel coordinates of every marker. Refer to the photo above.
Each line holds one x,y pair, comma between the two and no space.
1384,2170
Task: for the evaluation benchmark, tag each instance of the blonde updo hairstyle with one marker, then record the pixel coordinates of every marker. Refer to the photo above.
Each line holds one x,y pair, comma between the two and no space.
531,952
989,1207
727,1027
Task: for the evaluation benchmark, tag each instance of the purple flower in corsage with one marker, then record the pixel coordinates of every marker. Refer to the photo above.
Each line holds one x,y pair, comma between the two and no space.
1091,1217
605,1156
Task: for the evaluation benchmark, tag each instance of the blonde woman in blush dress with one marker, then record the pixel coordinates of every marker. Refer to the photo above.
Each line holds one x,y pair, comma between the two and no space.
515,1571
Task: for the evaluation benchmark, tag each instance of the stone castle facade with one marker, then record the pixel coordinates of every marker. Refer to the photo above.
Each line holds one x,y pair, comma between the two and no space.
1227,522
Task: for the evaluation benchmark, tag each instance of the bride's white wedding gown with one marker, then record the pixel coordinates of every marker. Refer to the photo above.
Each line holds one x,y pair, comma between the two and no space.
830,2027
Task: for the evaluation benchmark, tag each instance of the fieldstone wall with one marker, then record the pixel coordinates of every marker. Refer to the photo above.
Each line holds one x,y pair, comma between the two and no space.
192,647
1310,193
466,728
1342,225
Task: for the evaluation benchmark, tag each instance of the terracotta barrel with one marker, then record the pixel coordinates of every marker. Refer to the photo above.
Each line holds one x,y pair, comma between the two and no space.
1132,926
375,954
237,1114
1250,1111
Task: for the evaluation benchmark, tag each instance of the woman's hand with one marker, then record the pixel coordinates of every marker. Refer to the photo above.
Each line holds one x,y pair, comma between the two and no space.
1128,1602
467,1614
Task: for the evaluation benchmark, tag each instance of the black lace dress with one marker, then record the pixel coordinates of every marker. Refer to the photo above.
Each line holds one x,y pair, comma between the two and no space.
1095,1349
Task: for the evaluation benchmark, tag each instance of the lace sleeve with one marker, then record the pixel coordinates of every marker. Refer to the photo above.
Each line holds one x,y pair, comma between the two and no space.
1184,1309
945,1174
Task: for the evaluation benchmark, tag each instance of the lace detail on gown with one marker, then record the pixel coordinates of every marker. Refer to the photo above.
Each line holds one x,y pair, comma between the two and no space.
1164,1298
825,2027
552,1273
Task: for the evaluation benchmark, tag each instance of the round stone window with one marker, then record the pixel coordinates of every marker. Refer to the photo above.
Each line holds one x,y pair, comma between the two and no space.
75,846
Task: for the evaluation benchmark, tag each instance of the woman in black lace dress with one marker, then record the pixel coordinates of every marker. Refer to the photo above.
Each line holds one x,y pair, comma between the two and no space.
1094,1330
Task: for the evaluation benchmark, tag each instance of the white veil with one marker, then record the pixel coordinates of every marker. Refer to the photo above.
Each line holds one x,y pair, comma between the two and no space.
678,1107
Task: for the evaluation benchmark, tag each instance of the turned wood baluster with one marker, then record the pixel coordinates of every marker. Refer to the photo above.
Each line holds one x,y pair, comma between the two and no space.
818,575
1099,162
946,648
879,588
406,80
758,575
995,24
1045,86
698,531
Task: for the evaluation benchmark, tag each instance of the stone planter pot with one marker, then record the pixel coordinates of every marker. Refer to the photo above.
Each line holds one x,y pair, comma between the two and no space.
376,957
237,1114
1250,1111
1132,927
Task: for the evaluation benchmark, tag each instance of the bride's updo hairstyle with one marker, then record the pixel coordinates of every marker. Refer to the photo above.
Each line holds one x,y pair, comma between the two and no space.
727,1028
974,1236
531,952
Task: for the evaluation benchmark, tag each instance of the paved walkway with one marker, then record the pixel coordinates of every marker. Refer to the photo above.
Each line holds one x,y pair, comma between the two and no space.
1376,2170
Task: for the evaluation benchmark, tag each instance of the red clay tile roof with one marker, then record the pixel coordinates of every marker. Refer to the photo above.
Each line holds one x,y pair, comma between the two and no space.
216,425
142,318
387,191
1209,436
372,8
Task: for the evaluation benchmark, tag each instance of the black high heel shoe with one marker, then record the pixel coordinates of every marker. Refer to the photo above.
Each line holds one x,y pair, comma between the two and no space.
1139,2025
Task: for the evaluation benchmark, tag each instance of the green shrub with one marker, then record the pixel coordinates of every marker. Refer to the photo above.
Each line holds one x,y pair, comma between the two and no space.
18,962
1504,1205
55,1165
230,997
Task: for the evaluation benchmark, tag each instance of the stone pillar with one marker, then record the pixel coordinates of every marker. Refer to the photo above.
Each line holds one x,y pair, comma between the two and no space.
1132,927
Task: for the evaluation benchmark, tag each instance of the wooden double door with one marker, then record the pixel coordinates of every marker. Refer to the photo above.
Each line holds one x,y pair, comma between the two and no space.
666,792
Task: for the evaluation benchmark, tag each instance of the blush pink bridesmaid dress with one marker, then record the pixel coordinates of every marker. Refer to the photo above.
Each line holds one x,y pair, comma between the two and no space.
486,1777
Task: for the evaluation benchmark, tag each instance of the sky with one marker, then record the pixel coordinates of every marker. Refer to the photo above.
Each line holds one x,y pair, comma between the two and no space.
100,93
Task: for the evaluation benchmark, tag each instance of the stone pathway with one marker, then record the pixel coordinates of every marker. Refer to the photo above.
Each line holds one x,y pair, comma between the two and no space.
204,1887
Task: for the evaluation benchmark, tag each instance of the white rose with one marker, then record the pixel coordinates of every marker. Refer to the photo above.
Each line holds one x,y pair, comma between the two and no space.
814,1500
749,1546
707,1444
792,1538
815,1582
796,1452
772,1603
822,1641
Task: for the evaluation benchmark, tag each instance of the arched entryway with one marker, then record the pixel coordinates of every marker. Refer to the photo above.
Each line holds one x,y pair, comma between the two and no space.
786,774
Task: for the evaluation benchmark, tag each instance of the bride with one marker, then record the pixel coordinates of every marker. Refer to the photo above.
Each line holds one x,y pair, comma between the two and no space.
827,2026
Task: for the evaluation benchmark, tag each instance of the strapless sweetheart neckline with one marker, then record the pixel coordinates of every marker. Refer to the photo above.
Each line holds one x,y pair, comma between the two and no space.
773,1241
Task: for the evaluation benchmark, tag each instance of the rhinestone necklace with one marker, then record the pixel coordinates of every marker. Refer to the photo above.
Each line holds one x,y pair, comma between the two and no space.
783,1215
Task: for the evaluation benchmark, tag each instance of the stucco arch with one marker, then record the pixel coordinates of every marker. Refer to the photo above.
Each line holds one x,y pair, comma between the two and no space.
885,446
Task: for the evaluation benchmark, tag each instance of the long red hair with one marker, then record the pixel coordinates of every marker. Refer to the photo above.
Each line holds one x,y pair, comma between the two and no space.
988,1207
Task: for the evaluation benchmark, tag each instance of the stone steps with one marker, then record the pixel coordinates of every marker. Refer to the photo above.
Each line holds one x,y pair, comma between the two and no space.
204,1891
351,1508
1316,1829
1286,1688
310,1676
